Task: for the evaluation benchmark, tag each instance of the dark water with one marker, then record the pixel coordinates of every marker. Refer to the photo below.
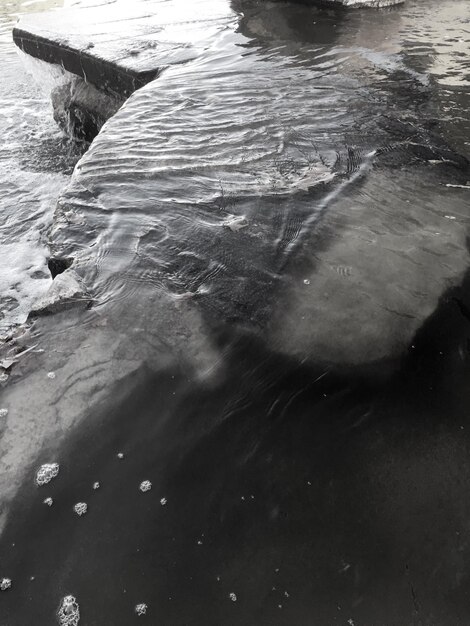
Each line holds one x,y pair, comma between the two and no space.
275,236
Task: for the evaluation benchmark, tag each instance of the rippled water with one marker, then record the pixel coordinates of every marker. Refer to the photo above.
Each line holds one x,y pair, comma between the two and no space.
275,238
35,163
264,145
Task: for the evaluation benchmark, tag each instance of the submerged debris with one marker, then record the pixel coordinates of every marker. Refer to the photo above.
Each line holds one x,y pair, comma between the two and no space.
5,584
145,485
96,485
48,501
46,473
235,223
67,290
163,501
233,597
3,412
69,612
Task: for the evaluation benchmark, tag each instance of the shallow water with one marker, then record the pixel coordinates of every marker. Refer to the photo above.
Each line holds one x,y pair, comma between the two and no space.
269,141
275,238
35,162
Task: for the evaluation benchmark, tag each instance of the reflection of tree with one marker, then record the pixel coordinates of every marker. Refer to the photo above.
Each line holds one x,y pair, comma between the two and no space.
291,23
416,64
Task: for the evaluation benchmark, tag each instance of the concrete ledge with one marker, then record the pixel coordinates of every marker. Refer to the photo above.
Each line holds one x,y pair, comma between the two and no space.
121,49
104,74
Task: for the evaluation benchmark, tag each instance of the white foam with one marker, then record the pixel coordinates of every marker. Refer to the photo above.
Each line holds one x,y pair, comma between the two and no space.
141,609
46,76
22,261
80,508
69,612
46,473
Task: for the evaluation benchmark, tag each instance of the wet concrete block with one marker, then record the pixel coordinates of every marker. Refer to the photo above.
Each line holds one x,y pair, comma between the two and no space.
100,72
67,291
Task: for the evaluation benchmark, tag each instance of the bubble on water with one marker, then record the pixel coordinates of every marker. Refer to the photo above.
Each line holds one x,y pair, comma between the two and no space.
46,473
51,375
141,609
233,597
3,412
163,501
69,612
96,485
120,455
49,501
145,485
80,508
5,584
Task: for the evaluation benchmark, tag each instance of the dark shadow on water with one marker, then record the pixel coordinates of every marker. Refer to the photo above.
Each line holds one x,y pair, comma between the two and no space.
295,22
304,492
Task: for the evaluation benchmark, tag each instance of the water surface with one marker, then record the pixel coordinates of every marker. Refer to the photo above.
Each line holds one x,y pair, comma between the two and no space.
275,237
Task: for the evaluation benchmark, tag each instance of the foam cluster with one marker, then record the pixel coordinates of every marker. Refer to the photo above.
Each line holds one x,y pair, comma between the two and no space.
69,612
80,508
145,485
46,473
141,609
